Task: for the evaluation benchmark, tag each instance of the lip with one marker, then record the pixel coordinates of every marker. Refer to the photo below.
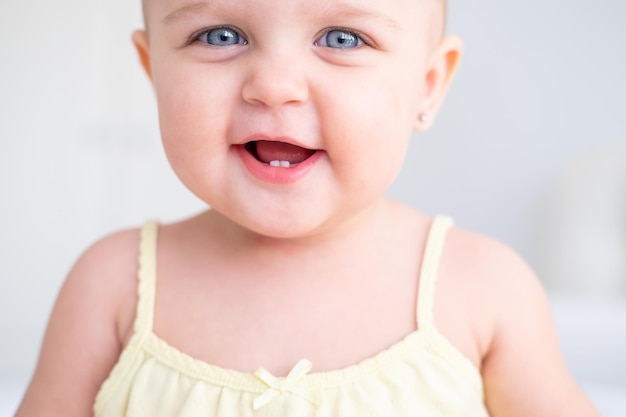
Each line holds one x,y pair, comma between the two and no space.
276,175
286,139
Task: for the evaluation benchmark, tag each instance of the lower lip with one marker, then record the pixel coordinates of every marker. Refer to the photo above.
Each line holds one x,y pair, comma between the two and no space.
277,175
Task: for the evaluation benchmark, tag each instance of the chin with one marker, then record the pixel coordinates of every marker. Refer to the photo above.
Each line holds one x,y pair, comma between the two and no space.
282,227
283,230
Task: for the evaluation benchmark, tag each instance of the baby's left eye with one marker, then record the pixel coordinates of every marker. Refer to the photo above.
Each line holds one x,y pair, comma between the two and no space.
221,36
340,39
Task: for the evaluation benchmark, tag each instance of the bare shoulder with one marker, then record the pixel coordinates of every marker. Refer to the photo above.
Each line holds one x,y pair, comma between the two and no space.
478,276
105,278
84,335
491,261
108,270
512,327
495,276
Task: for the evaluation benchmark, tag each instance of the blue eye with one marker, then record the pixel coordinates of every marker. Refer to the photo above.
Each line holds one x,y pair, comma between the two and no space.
340,39
221,37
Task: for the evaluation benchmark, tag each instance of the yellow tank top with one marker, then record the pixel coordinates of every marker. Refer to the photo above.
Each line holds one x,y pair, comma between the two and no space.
422,375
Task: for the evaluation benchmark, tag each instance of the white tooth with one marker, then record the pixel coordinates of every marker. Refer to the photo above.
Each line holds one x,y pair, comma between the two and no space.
275,163
285,164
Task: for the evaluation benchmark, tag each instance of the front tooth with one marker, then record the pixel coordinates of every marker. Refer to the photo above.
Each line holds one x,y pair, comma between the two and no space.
284,164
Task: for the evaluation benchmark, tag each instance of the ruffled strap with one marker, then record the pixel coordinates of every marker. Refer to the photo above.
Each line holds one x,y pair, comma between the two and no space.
144,317
435,243
146,291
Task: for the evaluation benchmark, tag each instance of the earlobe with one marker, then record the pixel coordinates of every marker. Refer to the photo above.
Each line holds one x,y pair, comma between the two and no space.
140,40
439,74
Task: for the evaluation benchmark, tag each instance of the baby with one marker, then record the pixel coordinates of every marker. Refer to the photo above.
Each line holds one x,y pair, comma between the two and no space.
303,291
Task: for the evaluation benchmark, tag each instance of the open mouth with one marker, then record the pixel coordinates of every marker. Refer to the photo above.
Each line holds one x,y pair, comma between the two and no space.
278,154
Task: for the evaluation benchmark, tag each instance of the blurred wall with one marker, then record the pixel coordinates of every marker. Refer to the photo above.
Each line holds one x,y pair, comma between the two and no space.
541,87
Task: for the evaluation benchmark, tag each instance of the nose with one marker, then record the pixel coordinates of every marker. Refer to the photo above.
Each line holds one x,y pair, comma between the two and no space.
274,80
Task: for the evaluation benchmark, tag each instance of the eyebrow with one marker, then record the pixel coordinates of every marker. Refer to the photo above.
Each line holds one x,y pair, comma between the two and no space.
345,10
186,10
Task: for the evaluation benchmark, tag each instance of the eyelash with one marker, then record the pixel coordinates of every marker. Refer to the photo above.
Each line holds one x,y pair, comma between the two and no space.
360,38
196,36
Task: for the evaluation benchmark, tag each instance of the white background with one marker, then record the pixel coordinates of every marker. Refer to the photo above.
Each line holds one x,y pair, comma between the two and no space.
530,147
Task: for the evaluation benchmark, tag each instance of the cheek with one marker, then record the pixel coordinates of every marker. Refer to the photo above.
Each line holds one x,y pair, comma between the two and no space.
371,124
184,133
193,112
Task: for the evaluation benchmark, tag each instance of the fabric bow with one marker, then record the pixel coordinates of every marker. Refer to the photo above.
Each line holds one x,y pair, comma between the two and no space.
278,386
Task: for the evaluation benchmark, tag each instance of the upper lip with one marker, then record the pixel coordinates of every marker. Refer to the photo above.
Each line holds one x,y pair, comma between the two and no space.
285,139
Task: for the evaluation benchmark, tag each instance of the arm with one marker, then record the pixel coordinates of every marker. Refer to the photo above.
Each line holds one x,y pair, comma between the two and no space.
523,370
83,338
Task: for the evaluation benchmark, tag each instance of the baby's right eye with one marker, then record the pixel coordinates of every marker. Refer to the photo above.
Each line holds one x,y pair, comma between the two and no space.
222,36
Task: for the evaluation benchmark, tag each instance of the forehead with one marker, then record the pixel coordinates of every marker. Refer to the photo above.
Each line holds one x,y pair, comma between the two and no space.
398,5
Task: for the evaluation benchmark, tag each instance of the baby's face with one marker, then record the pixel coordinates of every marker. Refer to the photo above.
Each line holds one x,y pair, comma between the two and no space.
289,117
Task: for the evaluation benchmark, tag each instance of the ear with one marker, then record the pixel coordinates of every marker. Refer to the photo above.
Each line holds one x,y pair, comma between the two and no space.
140,40
441,68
